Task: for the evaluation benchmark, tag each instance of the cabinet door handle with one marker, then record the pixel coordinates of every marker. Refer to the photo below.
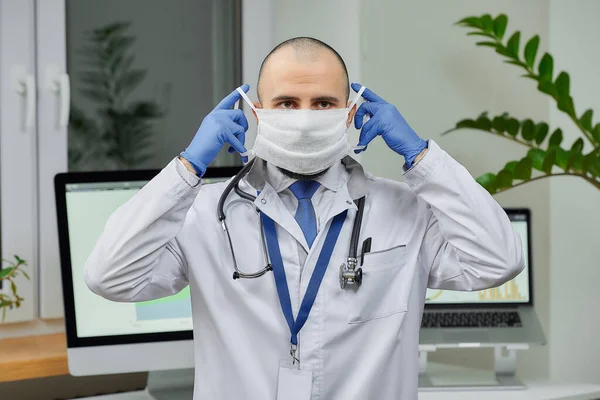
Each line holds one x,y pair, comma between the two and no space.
25,85
60,84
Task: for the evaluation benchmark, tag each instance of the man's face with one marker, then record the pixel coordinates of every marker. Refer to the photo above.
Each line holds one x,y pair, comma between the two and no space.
294,81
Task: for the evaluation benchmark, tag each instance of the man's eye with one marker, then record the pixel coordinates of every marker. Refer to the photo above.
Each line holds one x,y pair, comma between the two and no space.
286,104
324,104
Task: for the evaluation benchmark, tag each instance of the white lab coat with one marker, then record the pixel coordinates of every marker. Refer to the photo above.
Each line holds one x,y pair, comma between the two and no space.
439,229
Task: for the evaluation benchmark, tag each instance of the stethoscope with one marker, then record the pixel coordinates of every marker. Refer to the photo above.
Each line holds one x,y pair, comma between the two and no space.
348,275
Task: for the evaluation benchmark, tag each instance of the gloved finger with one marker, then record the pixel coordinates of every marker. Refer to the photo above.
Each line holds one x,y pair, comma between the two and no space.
239,118
364,109
241,136
368,132
368,94
231,98
235,143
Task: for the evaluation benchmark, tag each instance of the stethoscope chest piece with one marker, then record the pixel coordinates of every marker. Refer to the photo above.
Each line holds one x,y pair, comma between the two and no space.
349,275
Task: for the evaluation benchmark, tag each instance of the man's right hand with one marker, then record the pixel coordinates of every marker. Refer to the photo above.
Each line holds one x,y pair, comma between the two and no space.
222,125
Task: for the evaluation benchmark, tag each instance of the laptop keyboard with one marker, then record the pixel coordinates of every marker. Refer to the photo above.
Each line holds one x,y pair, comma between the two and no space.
490,319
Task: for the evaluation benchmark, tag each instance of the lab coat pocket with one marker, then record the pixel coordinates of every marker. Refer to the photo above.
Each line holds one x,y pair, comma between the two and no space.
385,286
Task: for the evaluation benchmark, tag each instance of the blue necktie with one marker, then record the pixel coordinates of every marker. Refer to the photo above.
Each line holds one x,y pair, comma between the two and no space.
305,213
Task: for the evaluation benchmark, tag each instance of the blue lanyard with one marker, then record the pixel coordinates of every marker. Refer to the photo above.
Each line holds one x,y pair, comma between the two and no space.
315,280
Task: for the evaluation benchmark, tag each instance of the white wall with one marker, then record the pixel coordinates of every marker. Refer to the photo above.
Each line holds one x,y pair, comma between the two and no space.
335,22
574,207
414,57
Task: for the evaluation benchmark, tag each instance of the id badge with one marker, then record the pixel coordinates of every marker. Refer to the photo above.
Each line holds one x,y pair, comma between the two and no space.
294,381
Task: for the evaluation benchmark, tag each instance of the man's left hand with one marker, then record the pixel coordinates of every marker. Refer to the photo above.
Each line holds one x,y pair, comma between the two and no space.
386,120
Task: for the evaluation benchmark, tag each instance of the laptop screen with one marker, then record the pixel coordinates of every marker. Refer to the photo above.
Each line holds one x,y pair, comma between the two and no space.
514,291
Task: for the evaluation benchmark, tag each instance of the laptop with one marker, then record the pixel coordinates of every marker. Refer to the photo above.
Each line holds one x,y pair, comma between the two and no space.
491,317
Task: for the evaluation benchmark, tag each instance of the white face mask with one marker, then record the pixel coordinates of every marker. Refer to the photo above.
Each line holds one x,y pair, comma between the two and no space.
302,141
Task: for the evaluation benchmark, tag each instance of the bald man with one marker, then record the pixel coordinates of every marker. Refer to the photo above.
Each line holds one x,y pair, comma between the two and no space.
294,331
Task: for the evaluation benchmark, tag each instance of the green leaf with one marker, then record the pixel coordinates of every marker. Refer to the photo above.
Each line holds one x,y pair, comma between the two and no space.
504,179
586,119
527,130
596,132
592,164
479,33
523,169
25,274
503,51
487,44
541,131
530,76
500,23
546,67
513,44
549,161
474,22
466,123
562,84
562,157
516,62
5,271
575,161
486,23
537,158
556,138
548,88
499,124
128,81
512,127
19,259
577,146
510,166
531,50
13,287
488,181
483,123
565,104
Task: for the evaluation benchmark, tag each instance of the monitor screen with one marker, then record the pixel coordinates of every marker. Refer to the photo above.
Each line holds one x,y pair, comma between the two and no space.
88,207
514,291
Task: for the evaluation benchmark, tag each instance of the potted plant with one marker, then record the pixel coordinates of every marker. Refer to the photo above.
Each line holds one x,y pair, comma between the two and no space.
546,155
8,273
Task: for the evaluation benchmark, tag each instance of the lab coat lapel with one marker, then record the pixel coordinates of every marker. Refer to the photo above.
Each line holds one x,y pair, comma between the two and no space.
271,204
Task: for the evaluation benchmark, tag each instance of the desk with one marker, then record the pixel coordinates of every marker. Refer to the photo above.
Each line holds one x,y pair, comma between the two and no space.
33,357
534,391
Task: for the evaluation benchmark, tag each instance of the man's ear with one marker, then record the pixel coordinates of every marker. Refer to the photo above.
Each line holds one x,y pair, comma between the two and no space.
351,114
257,105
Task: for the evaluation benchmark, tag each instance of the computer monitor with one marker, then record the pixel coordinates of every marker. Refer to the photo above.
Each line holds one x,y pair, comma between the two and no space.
516,291
105,337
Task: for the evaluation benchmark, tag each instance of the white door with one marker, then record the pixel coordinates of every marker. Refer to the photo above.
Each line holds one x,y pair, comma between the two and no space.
142,74
18,162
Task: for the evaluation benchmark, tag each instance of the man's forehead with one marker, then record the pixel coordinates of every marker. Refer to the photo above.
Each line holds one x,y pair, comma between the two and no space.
285,71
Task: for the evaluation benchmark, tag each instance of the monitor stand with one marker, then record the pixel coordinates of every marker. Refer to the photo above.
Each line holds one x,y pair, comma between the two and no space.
502,378
175,384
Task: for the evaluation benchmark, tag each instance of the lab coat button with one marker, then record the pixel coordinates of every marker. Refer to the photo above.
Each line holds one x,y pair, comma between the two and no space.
264,201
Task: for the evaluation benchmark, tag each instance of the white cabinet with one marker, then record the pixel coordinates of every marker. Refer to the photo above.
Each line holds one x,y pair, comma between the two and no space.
137,77
18,147
54,96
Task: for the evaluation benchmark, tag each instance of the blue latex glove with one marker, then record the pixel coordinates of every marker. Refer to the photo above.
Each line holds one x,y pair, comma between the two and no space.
385,120
222,125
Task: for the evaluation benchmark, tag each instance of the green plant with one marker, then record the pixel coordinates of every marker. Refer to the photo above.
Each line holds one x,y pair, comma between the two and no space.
121,135
545,157
9,273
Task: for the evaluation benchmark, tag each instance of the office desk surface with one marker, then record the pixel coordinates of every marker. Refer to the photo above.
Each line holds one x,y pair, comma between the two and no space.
33,357
535,390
